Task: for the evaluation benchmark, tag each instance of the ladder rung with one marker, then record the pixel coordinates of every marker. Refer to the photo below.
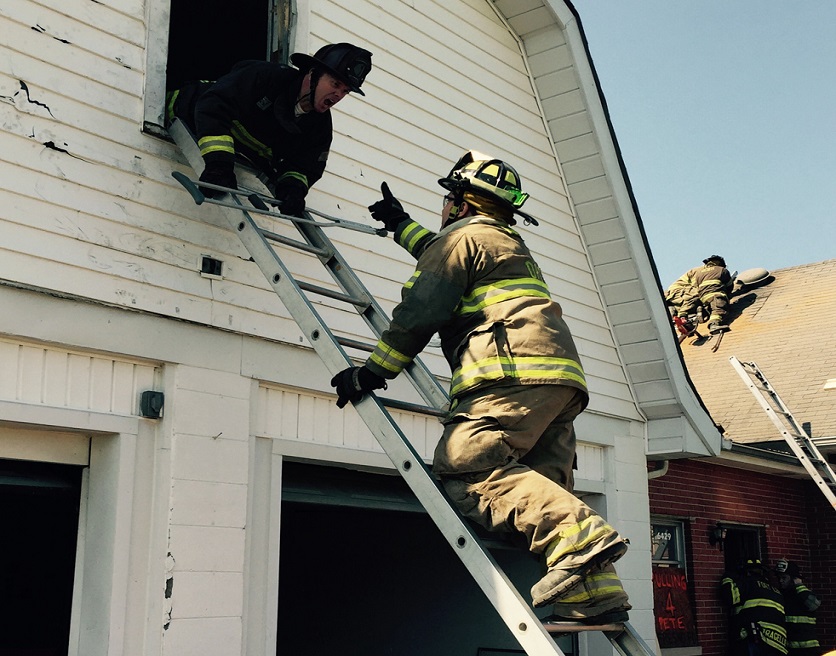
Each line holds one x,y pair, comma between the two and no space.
294,243
562,628
411,407
330,293
353,343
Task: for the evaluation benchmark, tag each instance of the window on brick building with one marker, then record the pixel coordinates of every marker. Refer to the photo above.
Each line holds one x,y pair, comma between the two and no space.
672,595
667,538
742,543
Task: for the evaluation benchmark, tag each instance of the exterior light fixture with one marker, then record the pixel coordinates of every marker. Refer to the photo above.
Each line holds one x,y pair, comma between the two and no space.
716,536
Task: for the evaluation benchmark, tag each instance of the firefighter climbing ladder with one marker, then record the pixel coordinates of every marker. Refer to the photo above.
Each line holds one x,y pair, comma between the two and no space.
796,437
525,626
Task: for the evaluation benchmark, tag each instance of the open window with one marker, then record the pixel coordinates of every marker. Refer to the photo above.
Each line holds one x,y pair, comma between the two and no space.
205,38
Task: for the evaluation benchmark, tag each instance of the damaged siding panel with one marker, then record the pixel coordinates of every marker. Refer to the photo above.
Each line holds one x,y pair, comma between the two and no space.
124,19
113,35
69,62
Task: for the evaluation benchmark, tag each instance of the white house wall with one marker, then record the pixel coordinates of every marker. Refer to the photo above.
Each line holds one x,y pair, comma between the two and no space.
103,299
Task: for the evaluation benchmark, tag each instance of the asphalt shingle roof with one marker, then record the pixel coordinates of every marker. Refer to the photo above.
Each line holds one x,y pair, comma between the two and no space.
788,329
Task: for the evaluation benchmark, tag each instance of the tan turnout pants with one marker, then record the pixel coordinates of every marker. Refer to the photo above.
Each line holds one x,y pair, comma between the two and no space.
506,459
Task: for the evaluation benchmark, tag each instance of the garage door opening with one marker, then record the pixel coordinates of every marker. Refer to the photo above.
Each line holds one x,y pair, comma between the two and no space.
39,509
363,570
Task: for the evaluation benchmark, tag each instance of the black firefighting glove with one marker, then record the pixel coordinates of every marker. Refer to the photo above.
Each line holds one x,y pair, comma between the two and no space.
219,173
291,192
354,382
388,211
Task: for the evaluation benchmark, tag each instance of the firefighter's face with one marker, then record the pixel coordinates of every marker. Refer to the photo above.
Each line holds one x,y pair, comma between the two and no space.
329,91
449,199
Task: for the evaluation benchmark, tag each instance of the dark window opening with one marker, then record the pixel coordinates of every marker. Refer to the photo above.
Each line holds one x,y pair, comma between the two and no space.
39,508
742,543
207,37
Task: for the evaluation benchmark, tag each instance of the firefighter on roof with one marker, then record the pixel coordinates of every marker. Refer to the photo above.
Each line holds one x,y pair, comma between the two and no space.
276,116
709,286
508,446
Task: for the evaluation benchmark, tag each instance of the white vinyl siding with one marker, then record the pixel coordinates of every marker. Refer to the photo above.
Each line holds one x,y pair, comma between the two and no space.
105,221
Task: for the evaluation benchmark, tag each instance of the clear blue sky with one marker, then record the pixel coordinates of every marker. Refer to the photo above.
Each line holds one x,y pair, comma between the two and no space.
725,112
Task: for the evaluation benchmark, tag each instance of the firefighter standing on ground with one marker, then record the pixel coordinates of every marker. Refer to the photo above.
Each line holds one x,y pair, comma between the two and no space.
800,606
507,450
757,626
709,285
276,116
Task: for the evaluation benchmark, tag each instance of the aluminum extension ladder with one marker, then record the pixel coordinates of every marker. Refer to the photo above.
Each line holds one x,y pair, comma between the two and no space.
534,637
794,434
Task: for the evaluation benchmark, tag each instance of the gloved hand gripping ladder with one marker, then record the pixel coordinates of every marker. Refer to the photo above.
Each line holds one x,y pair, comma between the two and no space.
524,625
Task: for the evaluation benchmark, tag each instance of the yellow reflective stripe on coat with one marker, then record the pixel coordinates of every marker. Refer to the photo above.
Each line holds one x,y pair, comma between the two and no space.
295,175
171,100
249,141
801,619
735,591
220,143
803,644
577,538
502,290
711,281
760,603
408,284
410,235
386,357
519,368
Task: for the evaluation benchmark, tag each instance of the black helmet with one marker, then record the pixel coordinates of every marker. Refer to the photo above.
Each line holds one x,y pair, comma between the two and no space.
344,61
715,259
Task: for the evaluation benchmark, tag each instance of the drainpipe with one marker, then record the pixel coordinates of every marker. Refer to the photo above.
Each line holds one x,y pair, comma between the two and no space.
659,472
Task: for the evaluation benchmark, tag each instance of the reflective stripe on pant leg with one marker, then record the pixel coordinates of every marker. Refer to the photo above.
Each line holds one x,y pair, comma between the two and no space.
600,592
578,542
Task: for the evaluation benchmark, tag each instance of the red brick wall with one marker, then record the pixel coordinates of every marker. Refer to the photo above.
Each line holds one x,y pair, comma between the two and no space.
798,522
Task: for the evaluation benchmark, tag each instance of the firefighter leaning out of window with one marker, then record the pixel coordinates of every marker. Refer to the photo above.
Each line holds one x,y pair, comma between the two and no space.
708,286
507,450
757,626
276,116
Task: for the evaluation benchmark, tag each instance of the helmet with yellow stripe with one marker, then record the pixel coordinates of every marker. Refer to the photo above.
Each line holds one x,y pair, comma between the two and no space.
486,177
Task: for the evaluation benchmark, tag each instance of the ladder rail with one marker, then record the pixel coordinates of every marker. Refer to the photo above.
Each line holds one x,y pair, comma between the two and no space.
799,442
514,611
422,379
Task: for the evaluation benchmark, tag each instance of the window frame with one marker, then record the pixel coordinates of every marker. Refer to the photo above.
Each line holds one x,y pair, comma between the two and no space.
285,22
